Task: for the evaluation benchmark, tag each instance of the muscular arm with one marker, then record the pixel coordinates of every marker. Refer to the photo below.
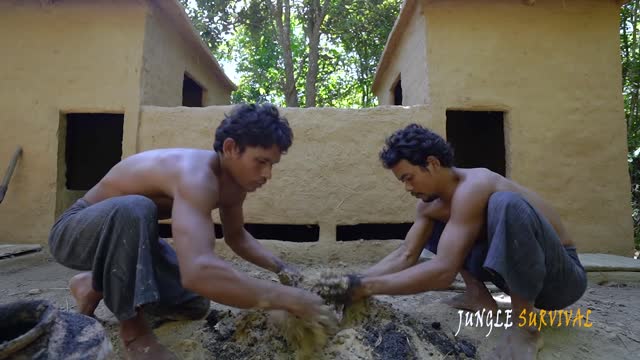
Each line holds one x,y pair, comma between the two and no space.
243,243
408,253
205,273
465,223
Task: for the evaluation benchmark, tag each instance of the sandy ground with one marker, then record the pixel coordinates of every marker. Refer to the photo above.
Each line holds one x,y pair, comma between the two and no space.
409,327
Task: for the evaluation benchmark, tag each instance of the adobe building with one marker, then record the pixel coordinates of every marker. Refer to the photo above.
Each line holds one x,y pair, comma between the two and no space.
529,89
533,89
73,76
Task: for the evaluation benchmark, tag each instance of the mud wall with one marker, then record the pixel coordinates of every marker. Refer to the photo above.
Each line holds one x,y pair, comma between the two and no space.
332,176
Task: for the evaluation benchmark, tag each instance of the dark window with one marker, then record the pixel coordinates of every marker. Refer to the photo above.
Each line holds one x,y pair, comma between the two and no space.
192,92
93,147
397,93
477,138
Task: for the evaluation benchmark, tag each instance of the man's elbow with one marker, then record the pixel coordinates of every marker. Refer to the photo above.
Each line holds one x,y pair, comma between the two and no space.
195,275
409,258
236,242
189,278
236,245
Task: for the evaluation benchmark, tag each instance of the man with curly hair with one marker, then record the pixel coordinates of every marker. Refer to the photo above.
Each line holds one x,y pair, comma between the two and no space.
112,233
479,224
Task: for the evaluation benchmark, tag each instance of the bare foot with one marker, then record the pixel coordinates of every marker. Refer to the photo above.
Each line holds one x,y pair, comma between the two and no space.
472,302
519,343
147,347
86,298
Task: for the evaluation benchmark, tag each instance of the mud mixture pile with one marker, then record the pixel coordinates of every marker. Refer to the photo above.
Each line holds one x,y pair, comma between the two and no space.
369,330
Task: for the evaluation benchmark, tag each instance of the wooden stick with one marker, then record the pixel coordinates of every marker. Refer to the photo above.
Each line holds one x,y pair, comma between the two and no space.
7,176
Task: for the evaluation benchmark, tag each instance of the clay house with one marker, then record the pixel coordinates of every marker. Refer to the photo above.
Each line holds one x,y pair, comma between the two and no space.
73,77
529,89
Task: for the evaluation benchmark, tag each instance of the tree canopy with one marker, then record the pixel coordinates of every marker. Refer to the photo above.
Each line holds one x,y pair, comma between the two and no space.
284,48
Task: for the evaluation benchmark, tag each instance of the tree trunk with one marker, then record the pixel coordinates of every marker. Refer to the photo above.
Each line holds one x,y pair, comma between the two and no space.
316,16
284,40
633,77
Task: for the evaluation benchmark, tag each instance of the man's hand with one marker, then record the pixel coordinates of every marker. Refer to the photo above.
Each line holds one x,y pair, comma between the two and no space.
311,307
289,275
341,289
407,254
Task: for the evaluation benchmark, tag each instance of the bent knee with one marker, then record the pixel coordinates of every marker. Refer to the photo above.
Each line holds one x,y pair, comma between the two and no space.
136,207
506,205
505,197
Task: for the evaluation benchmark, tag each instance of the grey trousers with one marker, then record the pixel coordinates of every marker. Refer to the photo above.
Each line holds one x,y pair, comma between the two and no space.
117,240
522,254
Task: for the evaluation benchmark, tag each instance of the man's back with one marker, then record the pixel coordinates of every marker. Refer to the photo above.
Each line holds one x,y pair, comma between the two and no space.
155,174
486,182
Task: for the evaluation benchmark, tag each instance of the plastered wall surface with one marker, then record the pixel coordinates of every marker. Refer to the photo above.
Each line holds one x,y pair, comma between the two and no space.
69,56
167,55
331,175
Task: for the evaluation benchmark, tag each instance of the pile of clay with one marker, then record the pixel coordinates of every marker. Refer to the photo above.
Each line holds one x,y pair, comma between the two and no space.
371,329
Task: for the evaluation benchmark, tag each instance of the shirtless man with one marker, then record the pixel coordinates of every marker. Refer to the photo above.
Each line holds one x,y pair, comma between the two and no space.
479,224
112,232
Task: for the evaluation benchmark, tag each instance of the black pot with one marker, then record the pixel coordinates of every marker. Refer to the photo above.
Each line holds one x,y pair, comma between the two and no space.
38,330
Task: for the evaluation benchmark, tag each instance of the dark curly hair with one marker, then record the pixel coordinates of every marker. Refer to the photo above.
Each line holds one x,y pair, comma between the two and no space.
254,125
414,143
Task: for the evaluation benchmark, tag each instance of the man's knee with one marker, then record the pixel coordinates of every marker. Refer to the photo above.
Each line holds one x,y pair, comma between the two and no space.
136,207
506,200
505,197
507,208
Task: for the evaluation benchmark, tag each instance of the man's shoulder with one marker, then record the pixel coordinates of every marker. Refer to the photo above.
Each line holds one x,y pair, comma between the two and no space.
197,184
196,167
475,189
478,179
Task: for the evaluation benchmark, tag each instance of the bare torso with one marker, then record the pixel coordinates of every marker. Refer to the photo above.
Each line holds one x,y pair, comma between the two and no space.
486,183
157,174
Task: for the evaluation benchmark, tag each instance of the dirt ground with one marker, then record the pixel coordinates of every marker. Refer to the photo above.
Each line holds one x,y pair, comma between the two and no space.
408,327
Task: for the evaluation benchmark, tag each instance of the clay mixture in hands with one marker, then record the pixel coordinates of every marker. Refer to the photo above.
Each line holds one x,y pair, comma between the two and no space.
336,288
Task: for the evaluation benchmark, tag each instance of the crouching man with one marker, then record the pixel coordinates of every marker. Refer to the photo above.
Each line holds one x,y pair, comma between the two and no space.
479,224
112,233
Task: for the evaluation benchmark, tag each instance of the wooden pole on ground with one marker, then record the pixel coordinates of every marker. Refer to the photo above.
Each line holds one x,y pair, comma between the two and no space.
7,176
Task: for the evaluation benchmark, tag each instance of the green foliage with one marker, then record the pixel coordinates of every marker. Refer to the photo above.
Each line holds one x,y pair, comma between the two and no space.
353,36
630,52
214,21
361,27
